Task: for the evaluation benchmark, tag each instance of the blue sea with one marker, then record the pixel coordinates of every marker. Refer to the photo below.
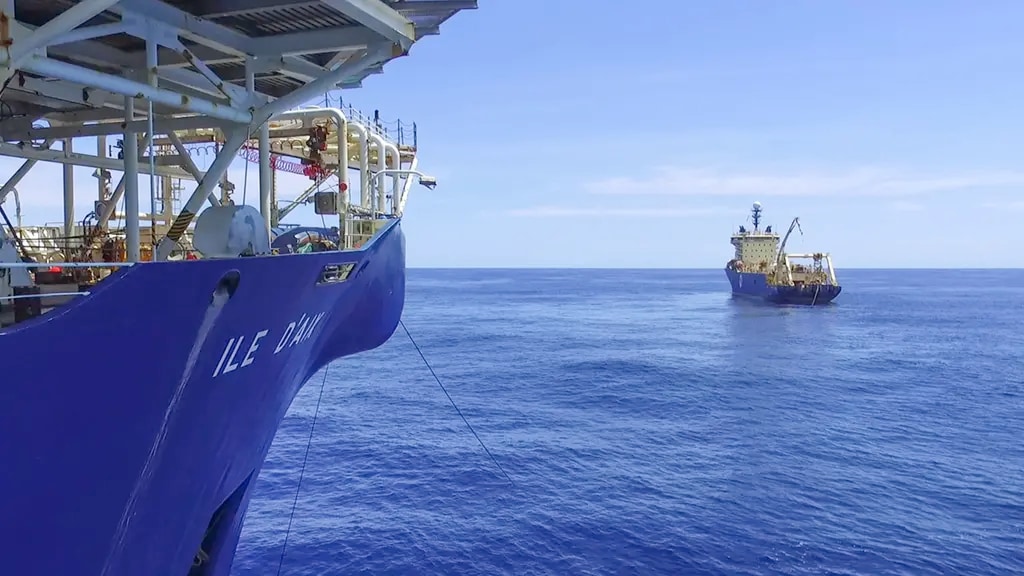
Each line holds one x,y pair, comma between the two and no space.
653,425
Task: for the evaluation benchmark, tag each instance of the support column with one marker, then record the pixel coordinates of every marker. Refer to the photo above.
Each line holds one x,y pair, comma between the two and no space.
101,182
275,219
111,206
396,164
131,184
219,167
151,79
373,181
225,200
382,165
266,178
167,193
69,201
344,200
364,165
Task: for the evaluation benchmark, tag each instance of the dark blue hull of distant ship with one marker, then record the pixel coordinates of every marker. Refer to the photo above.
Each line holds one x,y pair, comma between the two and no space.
754,285
134,420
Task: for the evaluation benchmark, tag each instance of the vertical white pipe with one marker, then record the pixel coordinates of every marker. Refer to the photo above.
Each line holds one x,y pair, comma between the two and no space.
265,175
343,192
377,184
131,183
151,64
275,218
395,164
342,147
69,199
364,163
101,151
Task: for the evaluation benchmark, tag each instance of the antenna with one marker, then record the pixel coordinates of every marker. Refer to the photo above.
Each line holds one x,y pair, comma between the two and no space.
755,214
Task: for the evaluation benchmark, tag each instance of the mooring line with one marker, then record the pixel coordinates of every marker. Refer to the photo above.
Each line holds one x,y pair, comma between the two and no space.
302,470
454,405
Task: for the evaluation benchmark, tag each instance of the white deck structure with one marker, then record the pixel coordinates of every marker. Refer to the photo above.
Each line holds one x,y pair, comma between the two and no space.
160,75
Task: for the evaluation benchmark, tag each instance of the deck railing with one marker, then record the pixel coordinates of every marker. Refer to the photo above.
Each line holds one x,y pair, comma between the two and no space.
397,131
60,265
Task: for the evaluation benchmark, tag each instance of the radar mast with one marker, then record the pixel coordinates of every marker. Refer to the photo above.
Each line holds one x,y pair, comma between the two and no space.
755,214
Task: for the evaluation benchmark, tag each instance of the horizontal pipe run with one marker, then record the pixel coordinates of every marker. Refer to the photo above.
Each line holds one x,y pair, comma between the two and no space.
78,159
131,88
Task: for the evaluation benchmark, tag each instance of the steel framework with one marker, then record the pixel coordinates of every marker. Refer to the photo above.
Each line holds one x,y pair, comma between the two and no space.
75,68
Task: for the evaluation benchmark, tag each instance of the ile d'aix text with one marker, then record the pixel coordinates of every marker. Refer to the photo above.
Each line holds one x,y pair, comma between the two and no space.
242,351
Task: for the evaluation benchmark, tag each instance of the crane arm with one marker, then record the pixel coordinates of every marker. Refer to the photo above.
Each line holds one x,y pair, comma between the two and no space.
782,247
780,258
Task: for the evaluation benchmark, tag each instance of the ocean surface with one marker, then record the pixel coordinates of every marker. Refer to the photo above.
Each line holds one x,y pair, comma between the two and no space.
653,425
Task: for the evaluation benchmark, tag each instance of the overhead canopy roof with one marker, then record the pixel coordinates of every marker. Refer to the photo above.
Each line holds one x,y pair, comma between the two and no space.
286,43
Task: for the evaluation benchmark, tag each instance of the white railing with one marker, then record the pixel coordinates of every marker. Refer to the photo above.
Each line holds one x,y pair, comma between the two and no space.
30,265
66,264
401,133
41,296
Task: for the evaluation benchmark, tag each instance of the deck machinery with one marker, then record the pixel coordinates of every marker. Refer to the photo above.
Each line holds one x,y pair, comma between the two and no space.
153,81
137,452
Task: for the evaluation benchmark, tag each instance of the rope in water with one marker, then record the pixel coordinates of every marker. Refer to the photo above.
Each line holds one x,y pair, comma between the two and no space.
302,471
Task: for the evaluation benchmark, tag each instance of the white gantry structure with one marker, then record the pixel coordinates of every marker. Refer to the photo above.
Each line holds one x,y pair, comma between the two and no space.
160,75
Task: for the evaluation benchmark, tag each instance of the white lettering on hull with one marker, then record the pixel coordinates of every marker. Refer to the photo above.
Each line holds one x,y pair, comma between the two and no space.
294,334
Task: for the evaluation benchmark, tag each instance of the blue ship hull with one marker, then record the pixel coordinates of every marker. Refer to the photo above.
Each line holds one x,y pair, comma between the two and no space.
755,285
135,420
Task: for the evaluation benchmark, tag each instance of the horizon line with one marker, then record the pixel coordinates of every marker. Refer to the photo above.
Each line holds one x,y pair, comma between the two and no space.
695,269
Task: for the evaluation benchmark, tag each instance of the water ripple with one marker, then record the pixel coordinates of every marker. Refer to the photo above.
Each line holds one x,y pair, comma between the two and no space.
655,426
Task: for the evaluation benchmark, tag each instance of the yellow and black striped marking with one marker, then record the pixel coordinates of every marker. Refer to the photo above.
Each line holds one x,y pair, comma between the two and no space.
180,225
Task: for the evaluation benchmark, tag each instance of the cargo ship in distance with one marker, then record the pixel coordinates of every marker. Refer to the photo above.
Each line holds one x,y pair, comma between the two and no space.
762,269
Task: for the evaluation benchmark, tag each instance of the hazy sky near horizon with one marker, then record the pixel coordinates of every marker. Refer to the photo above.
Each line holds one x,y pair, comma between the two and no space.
584,134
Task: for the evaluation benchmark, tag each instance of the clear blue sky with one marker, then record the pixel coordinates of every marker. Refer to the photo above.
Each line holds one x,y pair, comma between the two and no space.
607,137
